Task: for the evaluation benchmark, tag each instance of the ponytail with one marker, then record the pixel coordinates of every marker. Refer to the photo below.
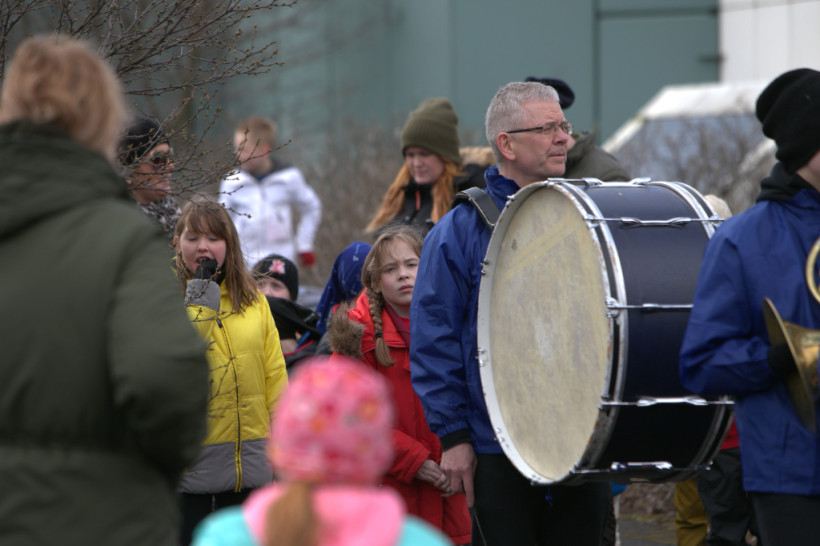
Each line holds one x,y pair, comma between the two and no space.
292,519
376,305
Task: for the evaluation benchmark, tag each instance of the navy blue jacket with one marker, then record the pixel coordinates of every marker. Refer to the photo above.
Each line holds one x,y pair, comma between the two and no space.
759,253
443,315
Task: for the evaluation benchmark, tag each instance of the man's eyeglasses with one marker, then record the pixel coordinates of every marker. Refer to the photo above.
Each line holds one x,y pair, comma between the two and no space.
160,160
549,128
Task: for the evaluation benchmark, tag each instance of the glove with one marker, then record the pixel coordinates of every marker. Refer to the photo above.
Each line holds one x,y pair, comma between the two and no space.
781,360
206,269
307,259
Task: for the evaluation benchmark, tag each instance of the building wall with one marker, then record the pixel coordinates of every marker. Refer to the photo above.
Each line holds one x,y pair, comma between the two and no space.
371,62
760,39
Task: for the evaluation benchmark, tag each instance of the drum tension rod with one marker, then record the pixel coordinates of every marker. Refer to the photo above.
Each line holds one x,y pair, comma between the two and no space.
646,401
637,222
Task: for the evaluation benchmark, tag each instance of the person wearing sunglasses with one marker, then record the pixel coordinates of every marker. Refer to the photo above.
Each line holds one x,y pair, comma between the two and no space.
148,159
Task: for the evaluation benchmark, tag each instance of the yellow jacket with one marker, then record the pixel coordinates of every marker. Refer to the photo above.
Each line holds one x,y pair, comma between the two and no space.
247,374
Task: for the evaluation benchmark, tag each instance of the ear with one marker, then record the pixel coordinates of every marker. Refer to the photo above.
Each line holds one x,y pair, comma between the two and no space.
176,241
506,146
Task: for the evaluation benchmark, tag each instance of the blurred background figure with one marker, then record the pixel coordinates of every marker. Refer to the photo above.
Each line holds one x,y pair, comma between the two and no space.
330,444
146,155
263,195
423,189
103,380
247,369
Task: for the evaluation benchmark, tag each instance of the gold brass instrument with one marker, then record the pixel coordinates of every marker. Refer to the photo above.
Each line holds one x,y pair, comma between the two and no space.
804,346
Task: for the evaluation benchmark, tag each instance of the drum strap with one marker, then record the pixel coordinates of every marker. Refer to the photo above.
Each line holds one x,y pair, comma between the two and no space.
482,202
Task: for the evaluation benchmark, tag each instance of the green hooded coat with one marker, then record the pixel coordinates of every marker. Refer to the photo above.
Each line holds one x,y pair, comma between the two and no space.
103,381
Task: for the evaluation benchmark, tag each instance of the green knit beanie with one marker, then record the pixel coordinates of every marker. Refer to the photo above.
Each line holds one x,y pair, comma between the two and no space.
433,126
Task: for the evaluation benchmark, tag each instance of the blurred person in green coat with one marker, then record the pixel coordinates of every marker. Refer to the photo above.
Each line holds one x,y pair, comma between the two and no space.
103,380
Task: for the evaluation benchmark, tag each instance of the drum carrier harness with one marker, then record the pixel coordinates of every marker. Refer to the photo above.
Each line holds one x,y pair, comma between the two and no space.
483,203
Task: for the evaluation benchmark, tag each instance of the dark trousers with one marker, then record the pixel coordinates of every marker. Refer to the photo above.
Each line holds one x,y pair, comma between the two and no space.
509,510
790,520
195,508
728,507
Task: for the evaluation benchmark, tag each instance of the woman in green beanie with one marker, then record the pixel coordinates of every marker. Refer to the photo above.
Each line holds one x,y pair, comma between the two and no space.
423,189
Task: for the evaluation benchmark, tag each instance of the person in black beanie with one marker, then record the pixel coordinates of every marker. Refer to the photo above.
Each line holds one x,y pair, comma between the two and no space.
728,349
147,159
277,277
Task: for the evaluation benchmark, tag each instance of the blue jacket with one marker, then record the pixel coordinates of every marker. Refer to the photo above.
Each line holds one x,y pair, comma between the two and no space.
443,315
759,253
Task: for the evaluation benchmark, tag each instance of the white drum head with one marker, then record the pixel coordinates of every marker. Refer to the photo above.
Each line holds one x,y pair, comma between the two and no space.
544,332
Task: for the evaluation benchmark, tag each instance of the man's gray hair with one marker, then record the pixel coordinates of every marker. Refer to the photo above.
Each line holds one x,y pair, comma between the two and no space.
505,111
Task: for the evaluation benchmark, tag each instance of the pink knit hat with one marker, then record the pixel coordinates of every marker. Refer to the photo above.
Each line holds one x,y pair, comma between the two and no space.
333,424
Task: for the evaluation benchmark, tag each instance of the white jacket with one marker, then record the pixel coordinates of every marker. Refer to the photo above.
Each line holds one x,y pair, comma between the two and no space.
263,212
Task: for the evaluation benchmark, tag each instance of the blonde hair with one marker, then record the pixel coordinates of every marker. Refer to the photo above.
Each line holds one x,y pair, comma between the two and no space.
204,215
371,273
393,201
258,129
60,81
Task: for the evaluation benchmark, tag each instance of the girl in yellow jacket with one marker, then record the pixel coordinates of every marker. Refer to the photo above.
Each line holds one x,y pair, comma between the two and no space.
247,369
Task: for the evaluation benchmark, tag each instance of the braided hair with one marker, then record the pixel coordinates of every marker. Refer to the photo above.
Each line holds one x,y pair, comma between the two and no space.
371,277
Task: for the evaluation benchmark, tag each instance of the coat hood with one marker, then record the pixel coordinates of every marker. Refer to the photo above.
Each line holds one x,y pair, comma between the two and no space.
44,172
780,185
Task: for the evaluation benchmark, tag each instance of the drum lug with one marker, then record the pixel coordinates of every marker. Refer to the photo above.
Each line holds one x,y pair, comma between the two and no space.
613,308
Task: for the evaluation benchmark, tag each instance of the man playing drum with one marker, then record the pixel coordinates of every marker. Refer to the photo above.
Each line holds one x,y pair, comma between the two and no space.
528,133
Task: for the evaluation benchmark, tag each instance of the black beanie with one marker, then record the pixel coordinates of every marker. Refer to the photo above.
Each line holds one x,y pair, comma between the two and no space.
789,109
140,137
279,268
433,126
565,94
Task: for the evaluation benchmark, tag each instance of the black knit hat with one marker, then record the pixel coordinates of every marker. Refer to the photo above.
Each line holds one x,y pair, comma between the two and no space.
279,268
565,94
140,137
433,126
789,109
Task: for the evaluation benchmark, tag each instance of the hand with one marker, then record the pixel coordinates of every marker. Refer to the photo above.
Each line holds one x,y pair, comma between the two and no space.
206,269
432,473
459,463
307,259
781,360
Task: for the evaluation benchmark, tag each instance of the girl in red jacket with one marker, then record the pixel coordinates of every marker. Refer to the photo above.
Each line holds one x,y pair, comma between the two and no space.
377,330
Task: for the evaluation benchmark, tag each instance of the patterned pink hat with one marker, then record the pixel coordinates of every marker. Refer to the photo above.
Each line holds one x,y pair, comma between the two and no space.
333,424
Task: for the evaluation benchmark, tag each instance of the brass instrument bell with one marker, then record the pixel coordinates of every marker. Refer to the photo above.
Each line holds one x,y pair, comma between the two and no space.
804,346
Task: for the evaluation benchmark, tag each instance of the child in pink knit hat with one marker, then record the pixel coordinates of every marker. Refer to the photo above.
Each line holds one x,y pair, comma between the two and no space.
330,443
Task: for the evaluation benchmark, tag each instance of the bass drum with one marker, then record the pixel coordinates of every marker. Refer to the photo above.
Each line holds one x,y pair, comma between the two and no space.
584,300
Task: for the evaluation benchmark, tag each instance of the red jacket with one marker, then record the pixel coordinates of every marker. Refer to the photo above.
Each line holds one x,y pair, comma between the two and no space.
413,442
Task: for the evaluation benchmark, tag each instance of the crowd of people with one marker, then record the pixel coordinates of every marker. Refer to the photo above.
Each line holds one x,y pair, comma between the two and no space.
163,383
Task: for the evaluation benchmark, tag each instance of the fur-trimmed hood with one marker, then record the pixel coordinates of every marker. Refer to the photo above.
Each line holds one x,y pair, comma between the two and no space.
345,335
